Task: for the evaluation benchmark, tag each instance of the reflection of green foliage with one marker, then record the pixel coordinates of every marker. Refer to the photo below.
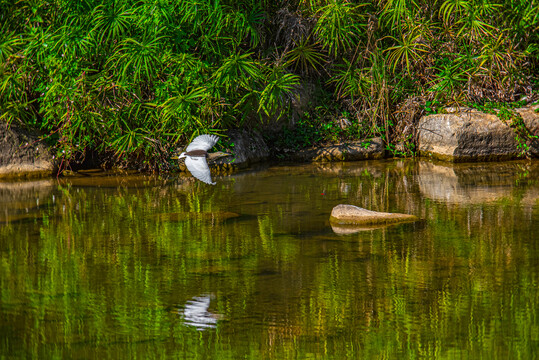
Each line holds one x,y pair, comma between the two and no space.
101,272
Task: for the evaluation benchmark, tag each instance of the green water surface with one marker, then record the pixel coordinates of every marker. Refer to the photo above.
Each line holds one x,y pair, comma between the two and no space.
140,267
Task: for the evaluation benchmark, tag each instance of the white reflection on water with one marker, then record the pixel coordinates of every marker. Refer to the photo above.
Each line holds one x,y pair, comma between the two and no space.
195,313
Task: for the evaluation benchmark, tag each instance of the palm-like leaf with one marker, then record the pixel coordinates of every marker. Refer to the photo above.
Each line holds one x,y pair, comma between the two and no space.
111,21
40,43
448,78
499,55
453,8
138,59
249,24
155,14
9,43
408,50
182,103
279,87
130,141
192,13
183,109
13,97
351,81
486,7
72,41
338,25
179,64
397,12
473,26
306,56
237,70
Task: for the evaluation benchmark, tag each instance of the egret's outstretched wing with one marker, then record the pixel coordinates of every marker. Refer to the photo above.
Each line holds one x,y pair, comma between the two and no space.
199,168
203,142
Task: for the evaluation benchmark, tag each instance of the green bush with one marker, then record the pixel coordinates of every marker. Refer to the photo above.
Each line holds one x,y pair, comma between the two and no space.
132,79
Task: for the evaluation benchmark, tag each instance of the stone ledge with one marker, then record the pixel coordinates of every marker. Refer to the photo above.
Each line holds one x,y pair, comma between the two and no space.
22,154
352,151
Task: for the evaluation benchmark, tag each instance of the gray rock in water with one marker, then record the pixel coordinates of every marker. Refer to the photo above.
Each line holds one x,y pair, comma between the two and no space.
348,229
471,135
22,154
350,214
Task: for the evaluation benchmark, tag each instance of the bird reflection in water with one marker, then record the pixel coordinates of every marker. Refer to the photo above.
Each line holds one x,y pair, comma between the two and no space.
195,313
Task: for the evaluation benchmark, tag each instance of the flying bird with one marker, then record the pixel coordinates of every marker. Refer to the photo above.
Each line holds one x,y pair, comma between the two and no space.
196,155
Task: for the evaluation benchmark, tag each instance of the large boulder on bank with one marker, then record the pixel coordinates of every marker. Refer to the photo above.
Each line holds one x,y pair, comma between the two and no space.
354,215
530,118
463,135
22,154
351,151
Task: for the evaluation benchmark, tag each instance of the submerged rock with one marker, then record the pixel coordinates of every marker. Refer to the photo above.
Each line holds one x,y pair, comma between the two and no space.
22,154
350,214
470,135
347,229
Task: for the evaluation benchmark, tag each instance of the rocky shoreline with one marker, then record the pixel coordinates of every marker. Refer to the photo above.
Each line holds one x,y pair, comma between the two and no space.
457,135
468,135
23,154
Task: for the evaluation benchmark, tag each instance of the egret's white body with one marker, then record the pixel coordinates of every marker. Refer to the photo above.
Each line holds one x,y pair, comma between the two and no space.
196,155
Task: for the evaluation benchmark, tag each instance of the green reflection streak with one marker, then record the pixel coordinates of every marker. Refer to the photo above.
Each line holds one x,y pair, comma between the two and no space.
106,273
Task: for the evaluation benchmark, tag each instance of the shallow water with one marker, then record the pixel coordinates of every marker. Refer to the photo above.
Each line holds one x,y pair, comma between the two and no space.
141,267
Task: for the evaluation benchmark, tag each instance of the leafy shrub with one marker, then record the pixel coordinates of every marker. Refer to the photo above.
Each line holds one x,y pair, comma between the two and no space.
133,79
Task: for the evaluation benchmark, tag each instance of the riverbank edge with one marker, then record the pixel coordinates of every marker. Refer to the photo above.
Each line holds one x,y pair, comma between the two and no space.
455,136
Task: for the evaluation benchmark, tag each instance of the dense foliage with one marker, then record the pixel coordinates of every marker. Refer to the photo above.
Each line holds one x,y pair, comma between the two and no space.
133,78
